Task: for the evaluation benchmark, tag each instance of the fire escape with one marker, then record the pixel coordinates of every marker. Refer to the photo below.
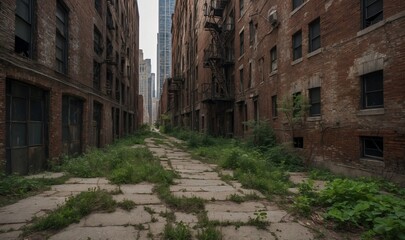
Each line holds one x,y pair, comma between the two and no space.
218,56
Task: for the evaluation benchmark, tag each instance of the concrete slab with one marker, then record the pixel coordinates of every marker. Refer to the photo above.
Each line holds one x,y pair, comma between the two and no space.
203,175
82,187
186,218
87,181
288,231
118,218
11,227
204,182
46,175
25,209
97,233
142,188
245,233
182,188
219,196
10,235
229,206
138,198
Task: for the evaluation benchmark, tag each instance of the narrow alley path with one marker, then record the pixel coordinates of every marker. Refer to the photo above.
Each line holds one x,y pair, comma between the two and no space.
148,219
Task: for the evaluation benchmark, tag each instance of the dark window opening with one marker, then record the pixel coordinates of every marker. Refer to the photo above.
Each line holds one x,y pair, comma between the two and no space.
273,56
256,110
252,33
72,111
241,44
97,117
250,75
372,147
297,45
109,83
98,41
274,106
297,3
61,38
117,90
241,7
373,12
315,101
96,75
299,142
23,28
373,90
315,35
98,6
241,80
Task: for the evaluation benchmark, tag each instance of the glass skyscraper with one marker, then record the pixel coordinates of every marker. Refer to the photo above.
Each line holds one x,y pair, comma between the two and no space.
164,52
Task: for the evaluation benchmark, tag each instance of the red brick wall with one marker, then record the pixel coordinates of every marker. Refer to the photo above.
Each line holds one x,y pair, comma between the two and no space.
78,82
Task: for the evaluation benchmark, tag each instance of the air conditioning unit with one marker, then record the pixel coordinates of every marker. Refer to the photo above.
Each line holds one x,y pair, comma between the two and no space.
273,18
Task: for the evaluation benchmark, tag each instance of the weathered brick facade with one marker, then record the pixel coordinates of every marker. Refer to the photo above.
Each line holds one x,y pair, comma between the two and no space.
108,103
352,121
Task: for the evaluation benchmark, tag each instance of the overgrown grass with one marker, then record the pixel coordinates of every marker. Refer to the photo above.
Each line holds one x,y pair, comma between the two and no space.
355,203
188,205
15,187
120,163
73,210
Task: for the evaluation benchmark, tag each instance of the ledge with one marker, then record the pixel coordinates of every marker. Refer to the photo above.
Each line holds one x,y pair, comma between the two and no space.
241,57
314,53
296,61
372,162
380,24
371,112
314,118
273,73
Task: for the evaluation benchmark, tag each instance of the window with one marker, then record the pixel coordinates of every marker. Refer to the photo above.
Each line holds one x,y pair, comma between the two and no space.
241,80
97,5
314,35
297,3
96,75
273,60
61,38
252,33
261,74
274,106
299,142
373,90
297,104
315,101
256,109
372,147
109,82
23,28
250,84
241,6
297,45
98,41
372,12
241,44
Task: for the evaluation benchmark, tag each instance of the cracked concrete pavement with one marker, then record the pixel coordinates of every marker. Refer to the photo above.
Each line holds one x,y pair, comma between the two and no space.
147,220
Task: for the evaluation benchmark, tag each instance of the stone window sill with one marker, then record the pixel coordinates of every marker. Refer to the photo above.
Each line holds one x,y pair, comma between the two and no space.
372,162
273,73
296,61
371,112
298,8
314,53
314,118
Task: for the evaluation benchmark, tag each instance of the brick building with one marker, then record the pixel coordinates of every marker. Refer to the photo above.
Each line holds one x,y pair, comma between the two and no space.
68,78
336,67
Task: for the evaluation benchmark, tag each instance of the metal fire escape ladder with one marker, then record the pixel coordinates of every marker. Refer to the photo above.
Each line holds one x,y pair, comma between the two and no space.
214,55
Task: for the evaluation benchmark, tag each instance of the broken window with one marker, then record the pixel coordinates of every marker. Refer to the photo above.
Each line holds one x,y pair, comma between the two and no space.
373,147
373,90
23,28
61,38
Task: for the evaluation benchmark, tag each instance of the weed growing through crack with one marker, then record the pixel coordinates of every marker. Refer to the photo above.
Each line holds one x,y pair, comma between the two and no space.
73,210
149,210
127,205
209,233
183,204
178,232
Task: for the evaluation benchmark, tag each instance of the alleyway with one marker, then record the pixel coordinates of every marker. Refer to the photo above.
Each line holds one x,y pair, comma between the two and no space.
148,219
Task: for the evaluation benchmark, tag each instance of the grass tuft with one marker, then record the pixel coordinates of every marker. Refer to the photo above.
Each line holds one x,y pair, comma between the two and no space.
177,232
127,205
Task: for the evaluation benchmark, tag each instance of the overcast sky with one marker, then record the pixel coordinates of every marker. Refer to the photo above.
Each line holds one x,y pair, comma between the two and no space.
148,27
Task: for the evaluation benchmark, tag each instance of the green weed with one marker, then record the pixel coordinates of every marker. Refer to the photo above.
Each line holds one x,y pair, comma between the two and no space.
209,233
178,232
73,210
127,205
188,205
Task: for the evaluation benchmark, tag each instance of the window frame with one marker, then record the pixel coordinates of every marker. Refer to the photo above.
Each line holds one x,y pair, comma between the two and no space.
371,77
297,3
274,112
297,47
96,75
242,43
364,148
241,80
273,59
312,102
98,41
64,37
311,35
29,24
366,22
